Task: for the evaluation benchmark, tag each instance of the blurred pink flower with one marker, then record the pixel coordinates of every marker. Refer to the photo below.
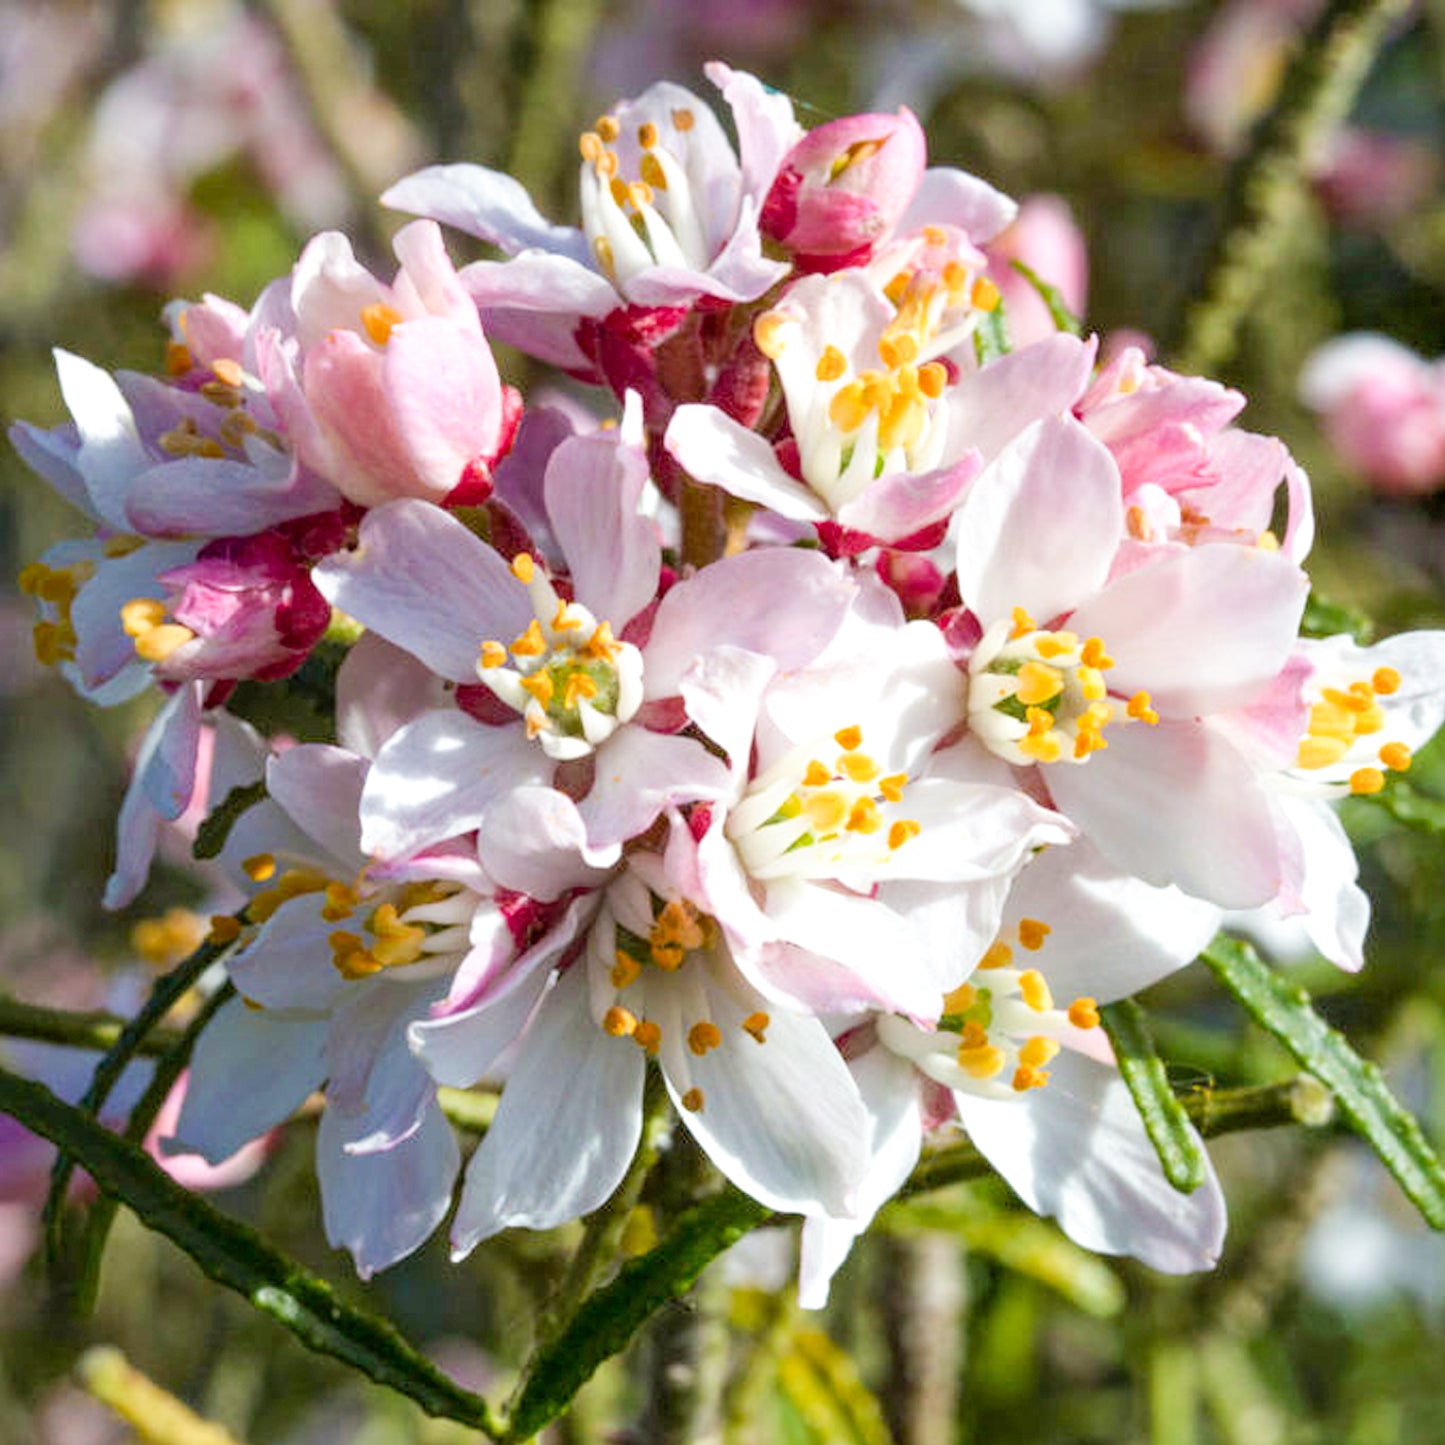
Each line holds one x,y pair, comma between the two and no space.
1384,411
1047,239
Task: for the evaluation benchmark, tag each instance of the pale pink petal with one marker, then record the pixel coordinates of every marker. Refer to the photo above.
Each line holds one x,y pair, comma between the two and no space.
1176,803
1077,1150
566,1128
900,504
766,127
459,1049
948,197
535,841
436,778
426,583
111,453
711,447
1040,526
320,787
1202,630
287,964
216,497
381,1207
379,689
782,603
639,775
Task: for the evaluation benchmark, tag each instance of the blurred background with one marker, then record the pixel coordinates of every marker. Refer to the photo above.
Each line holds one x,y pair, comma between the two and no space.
168,149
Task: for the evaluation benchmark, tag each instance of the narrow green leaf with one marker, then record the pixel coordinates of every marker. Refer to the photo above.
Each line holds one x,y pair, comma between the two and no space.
164,994
1063,318
241,1259
101,1214
212,834
990,340
1358,1086
610,1317
1165,1121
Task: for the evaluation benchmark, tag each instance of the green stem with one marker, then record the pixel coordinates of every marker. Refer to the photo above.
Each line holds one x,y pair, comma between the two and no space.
241,1259
164,995
1265,184
94,1029
102,1213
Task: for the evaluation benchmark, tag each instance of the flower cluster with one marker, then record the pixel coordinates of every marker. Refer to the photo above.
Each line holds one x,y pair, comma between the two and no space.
834,730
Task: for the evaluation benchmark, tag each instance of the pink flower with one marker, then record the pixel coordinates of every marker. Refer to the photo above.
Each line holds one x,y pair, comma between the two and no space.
1383,409
390,391
1047,239
844,187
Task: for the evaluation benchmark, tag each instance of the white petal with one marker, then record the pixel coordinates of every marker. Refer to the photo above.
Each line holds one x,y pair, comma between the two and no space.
1076,1150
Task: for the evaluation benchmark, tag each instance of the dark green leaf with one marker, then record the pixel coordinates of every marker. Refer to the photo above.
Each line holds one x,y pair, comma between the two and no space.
1063,318
1165,1121
1407,805
1357,1085
212,834
240,1259
1328,619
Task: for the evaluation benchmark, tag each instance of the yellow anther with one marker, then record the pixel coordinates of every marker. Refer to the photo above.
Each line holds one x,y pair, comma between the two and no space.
935,236
53,643
1141,709
1330,720
961,999
349,956
1032,933
58,587
531,643
897,288
858,767
1038,683
891,787
602,249
1396,757
1091,683
1055,644
579,688
178,359
816,774
932,378
997,955
1094,655
1023,624
236,427
32,577
652,172
902,831
640,194
1041,742
378,319
1026,1078
607,165
984,1062
767,329
682,120
1364,781
493,654
1385,681
1137,525
985,295
1035,991
1321,752
260,867
1089,738
850,406
902,424
647,135
590,144
399,946
1038,1051
647,1036
858,151
897,349
219,394
140,615
621,192
693,1101
955,279
1084,1013
340,901
832,364
120,545
625,970
974,1036
756,1025
621,1023
849,738
158,644
228,372
1267,541
864,817
524,568
607,128
224,930
602,645
540,686
703,1036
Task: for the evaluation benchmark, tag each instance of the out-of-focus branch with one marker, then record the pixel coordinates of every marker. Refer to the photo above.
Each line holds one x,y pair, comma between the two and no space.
156,1415
1318,91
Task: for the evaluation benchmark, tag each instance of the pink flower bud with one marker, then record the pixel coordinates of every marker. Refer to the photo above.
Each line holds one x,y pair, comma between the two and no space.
843,187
